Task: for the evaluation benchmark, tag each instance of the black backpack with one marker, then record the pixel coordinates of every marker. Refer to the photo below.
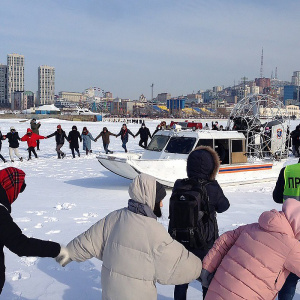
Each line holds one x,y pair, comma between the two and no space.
191,222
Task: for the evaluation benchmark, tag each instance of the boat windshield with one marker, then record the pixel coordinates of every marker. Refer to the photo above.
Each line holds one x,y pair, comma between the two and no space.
181,145
158,142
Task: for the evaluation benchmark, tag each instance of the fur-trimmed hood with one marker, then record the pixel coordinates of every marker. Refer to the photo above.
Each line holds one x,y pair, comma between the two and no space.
203,162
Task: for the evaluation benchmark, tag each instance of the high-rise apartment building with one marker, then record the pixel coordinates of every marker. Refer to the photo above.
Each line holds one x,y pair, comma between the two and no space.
3,85
46,84
15,76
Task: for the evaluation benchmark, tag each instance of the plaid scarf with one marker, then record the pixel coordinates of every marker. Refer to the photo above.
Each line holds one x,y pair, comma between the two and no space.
11,179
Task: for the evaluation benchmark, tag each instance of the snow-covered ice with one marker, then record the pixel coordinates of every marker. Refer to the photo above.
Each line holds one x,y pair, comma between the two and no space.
65,197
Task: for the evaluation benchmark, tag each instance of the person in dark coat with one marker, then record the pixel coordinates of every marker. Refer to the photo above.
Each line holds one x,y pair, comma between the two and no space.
60,137
105,139
124,136
73,137
35,127
144,133
2,137
13,143
12,182
203,164
295,136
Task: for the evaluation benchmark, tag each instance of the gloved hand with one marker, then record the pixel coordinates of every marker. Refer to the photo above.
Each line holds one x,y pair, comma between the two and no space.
205,278
63,258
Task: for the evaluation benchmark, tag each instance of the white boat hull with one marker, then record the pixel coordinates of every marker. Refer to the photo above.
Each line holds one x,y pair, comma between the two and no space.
168,171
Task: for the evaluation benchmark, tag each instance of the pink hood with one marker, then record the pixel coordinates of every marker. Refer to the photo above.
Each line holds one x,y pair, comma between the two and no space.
275,221
291,209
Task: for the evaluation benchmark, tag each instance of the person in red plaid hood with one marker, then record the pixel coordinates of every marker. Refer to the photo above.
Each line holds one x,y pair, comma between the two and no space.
12,183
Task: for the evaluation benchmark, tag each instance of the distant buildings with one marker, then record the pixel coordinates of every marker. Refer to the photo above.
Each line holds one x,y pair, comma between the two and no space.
46,85
3,85
15,76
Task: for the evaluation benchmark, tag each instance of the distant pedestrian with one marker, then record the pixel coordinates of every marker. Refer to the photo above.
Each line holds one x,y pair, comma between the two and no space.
60,137
35,129
144,133
158,128
86,139
73,137
13,143
124,136
206,127
2,137
31,138
105,138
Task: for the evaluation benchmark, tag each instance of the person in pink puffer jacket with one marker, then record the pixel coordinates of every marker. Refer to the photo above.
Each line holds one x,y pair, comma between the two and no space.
253,261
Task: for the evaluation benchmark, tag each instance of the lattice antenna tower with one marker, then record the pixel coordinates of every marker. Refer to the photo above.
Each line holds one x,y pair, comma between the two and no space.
262,63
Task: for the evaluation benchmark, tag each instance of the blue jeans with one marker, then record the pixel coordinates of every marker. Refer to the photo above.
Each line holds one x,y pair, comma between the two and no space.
181,291
124,145
105,146
287,292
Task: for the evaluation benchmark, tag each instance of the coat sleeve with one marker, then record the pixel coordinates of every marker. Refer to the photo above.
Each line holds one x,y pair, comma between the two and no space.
24,138
98,136
279,188
222,202
88,244
130,132
174,264
13,238
220,248
292,262
51,135
91,137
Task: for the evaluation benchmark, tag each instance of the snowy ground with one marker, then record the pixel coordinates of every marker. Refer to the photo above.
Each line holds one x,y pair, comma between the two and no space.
65,197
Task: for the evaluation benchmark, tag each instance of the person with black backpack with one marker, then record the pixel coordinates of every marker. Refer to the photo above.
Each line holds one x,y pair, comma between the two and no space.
193,206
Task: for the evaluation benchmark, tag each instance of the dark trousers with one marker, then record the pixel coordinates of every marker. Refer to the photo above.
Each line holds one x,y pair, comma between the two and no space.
73,151
181,291
124,145
145,142
287,292
105,146
38,144
31,150
2,157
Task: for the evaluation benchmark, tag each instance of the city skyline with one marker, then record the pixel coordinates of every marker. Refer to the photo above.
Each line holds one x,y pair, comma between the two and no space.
124,47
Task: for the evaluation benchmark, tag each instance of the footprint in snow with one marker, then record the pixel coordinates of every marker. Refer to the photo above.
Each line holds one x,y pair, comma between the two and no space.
53,231
64,206
50,219
18,275
28,261
38,225
21,220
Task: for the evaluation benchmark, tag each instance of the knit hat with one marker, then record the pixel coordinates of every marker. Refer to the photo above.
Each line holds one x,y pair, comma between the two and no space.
58,126
74,127
12,128
160,192
29,130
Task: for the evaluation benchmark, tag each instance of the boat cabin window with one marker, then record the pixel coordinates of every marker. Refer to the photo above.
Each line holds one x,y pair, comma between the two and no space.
205,142
222,148
158,142
237,145
181,145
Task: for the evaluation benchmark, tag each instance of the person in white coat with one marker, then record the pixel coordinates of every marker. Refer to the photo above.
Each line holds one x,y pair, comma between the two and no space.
136,250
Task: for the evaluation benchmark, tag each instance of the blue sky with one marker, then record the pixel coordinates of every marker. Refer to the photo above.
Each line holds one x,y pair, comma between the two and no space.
125,46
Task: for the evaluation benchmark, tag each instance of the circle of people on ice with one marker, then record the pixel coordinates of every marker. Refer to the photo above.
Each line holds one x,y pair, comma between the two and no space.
254,261
74,137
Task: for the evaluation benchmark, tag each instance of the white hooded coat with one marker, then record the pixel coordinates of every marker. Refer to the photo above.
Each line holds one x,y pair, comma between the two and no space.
136,250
